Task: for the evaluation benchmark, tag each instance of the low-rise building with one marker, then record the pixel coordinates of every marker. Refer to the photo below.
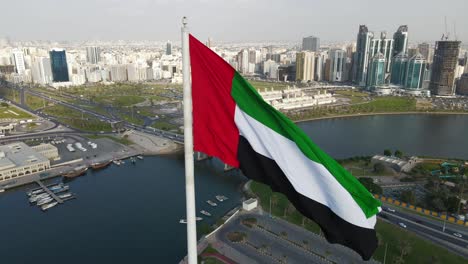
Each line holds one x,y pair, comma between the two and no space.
48,150
18,160
250,204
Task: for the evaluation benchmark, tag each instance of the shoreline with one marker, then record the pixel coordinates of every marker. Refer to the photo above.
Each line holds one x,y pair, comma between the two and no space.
379,113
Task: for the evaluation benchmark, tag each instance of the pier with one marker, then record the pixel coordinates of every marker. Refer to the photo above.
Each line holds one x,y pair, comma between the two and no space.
47,190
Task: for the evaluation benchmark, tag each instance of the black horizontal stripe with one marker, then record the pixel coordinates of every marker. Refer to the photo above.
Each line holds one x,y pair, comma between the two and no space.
336,230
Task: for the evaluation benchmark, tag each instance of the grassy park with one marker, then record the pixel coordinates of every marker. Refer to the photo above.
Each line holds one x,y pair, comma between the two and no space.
402,246
8,111
77,119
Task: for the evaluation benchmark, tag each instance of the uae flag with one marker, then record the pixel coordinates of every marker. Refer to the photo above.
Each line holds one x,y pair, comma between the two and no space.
231,121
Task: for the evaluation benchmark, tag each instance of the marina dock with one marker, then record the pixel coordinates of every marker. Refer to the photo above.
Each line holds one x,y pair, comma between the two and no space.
47,190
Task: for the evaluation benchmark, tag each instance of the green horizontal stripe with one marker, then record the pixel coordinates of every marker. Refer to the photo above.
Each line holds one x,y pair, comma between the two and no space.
249,101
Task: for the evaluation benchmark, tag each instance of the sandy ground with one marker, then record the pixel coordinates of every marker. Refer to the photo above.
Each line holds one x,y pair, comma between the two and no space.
152,145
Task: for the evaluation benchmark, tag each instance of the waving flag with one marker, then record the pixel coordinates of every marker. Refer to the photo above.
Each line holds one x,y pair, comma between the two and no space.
231,121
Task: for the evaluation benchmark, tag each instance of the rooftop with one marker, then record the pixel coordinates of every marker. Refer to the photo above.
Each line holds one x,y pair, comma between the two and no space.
18,155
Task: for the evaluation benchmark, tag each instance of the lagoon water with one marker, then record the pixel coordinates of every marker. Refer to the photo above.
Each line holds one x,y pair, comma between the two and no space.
130,214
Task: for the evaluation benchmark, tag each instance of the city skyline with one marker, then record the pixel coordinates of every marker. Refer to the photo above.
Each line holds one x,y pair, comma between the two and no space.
226,21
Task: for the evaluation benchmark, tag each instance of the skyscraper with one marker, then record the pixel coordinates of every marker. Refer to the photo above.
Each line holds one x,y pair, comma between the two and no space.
415,72
400,40
305,64
168,48
361,57
17,56
443,67
311,44
399,67
58,61
425,50
337,65
41,70
376,75
93,55
382,45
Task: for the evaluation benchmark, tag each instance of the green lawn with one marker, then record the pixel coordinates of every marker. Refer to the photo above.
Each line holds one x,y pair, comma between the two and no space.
419,250
355,96
34,102
164,125
120,100
76,119
13,112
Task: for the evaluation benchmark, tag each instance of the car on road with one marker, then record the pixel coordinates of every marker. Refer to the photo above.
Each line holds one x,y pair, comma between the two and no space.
402,225
390,209
458,235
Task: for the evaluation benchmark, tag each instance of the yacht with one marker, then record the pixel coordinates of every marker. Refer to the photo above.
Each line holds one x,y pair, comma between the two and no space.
211,203
221,198
49,205
205,213
44,201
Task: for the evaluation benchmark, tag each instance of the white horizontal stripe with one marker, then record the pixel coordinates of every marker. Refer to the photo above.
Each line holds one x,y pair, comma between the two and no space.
308,177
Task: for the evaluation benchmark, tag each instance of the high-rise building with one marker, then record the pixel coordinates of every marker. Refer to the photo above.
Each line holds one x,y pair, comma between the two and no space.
168,48
462,85
400,40
305,64
311,44
58,61
93,55
337,65
361,57
17,56
426,51
443,67
243,61
376,75
41,70
382,45
399,67
118,73
415,72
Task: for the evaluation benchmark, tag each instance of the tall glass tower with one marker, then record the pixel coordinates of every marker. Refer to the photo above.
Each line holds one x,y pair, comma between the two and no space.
415,73
58,61
400,40
361,57
376,74
400,63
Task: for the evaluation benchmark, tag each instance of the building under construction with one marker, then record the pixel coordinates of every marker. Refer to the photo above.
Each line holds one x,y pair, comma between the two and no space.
443,67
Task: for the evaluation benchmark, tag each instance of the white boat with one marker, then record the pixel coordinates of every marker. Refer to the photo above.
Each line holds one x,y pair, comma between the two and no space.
65,195
117,162
221,198
35,198
205,213
49,205
44,201
31,193
211,203
139,157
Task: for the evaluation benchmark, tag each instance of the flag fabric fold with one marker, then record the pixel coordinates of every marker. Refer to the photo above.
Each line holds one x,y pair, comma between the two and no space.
231,121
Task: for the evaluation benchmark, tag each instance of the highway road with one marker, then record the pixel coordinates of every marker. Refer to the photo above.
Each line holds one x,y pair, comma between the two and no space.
429,229
150,130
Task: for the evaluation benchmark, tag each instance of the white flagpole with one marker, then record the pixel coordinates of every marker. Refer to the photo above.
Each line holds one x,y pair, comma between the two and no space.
188,148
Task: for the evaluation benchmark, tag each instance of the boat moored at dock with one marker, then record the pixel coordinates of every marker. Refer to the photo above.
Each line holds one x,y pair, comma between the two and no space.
100,165
205,213
211,203
48,206
78,171
221,198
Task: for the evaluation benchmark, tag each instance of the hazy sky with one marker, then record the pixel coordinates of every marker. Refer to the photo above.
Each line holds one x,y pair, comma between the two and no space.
227,20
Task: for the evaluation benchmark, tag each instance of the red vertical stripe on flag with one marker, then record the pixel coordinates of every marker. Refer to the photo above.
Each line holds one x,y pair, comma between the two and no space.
214,130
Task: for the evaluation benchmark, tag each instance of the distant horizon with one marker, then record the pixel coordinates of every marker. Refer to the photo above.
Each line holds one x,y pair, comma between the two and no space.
229,21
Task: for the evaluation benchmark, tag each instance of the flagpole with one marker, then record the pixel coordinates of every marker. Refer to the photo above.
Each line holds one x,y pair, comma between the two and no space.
188,149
